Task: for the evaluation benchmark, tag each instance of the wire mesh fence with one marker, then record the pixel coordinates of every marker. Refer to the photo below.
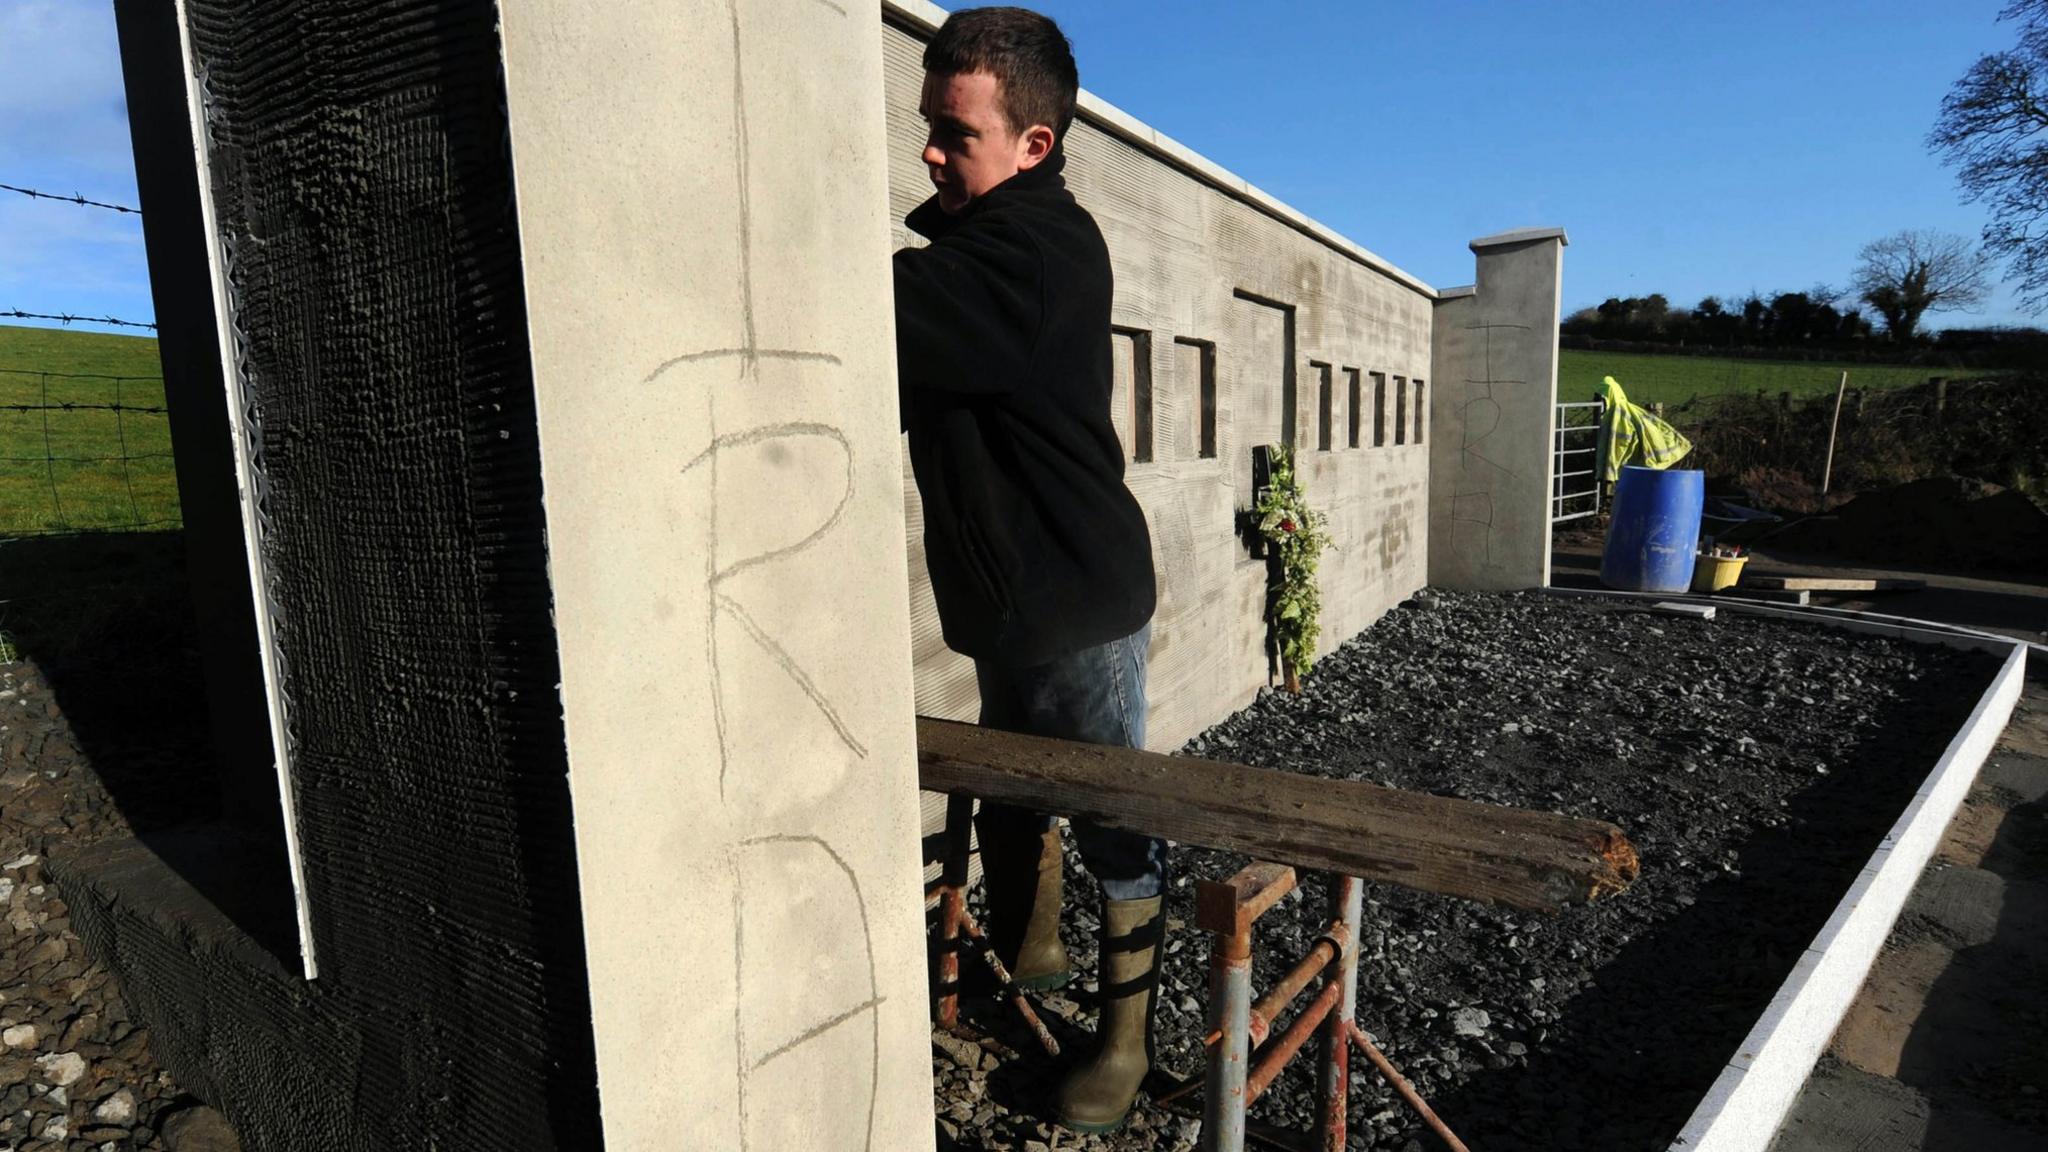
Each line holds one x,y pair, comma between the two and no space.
84,452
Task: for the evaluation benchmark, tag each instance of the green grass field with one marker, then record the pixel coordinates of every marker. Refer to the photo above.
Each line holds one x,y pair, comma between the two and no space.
1673,380
90,468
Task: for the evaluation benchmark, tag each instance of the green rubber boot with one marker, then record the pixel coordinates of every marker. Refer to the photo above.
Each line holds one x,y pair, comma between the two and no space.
1021,876
1097,1095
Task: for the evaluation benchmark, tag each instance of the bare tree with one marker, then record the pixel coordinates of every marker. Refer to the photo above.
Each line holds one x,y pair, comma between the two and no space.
1994,131
1913,273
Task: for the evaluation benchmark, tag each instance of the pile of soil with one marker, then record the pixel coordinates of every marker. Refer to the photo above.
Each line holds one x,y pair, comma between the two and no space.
1950,522
1755,764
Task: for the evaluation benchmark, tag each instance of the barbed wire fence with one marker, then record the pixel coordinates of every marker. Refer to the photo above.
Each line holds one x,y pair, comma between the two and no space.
74,198
82,451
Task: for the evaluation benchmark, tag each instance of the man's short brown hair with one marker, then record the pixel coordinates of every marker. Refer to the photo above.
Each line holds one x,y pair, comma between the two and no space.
1027,54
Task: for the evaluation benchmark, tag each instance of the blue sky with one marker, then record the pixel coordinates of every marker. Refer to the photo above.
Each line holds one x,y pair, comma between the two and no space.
1690,148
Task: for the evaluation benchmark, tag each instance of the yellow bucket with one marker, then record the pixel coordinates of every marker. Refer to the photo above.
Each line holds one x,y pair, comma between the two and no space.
1714,573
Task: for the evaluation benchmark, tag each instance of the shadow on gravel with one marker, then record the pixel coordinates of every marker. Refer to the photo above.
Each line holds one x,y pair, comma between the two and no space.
1669,1011
108,620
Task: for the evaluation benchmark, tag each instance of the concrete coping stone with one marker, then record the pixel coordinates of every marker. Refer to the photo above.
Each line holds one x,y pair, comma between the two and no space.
925,17
1520,236
1458,293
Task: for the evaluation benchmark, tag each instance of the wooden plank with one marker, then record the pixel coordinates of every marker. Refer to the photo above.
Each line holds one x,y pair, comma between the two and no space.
1768,595
1484,852
1831,584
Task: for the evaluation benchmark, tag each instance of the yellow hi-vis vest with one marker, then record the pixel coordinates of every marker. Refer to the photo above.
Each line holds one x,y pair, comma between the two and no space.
1632,435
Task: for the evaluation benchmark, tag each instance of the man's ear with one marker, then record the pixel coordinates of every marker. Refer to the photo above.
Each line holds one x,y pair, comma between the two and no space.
1037,142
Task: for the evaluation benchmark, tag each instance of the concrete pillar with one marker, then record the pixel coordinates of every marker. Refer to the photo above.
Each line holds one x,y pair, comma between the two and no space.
702,202
1493,409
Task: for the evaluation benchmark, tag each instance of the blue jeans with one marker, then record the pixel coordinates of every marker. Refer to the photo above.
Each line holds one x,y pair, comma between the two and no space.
1096,695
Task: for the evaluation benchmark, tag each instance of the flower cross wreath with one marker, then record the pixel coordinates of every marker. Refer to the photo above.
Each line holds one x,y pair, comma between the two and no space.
1298,535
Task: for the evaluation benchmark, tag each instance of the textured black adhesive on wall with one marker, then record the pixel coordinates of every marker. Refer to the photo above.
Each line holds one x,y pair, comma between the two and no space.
363,187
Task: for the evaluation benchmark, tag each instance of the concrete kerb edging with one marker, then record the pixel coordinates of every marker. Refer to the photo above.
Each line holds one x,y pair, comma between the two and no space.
1750,1099
1875,623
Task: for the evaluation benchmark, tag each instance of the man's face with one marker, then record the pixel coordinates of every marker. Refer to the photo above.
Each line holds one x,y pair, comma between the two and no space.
970,147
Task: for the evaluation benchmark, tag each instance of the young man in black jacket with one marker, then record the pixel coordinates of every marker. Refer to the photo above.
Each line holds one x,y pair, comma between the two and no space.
1039,556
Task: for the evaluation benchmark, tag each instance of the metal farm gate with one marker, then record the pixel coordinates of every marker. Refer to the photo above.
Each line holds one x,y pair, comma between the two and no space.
1575,461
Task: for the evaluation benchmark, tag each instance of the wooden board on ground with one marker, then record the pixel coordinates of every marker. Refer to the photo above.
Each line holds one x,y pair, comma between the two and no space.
1486,852
1767,595
1830,584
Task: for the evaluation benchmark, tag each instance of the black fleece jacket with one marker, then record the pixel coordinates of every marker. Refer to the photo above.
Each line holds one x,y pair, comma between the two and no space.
1036,548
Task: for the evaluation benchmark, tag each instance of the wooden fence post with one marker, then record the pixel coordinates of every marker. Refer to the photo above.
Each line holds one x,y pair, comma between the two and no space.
1827,472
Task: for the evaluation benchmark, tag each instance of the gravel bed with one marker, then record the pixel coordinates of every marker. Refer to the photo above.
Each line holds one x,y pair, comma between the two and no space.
76,1073
1756,764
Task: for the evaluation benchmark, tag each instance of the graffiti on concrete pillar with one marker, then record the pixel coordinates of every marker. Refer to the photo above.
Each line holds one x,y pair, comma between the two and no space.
718,572
770,862
1479,417
783,883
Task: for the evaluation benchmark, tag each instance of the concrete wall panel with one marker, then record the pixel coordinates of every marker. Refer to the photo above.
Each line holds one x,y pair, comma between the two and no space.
702,216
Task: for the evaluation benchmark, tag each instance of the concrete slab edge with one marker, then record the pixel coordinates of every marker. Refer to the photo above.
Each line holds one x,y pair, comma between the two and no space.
925,17
1749,1101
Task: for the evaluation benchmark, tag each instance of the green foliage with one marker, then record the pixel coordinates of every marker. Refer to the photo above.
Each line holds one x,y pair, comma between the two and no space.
1298,535
1803,320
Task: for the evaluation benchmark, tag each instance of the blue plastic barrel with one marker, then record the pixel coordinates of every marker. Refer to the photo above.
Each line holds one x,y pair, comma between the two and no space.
1655,531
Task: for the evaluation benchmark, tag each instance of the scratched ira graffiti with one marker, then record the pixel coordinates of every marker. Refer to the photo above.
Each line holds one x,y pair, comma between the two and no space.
764,857
1475,507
